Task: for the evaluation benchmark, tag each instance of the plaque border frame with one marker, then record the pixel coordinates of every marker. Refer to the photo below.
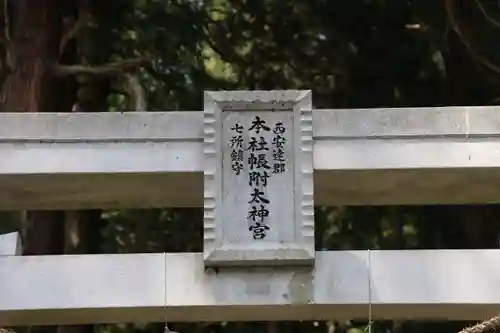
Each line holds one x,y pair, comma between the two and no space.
302,251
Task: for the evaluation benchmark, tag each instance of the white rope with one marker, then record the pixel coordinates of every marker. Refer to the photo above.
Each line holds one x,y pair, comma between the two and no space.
369,326
167,330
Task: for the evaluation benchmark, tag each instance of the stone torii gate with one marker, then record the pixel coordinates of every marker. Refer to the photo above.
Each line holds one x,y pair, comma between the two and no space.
193,159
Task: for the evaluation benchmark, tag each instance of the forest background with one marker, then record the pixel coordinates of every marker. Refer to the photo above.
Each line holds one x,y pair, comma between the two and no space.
133,55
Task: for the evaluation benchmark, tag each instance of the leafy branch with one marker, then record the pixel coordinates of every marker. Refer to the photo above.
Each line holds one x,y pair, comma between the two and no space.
463,33
124,73
110,69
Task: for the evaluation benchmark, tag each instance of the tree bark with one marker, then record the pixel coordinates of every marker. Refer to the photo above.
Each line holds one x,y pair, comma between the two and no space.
43,232
31,49
30,45
83,227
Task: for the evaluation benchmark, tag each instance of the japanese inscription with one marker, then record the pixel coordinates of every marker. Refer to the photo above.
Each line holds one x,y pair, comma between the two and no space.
237,149
279,140
263,159
258,197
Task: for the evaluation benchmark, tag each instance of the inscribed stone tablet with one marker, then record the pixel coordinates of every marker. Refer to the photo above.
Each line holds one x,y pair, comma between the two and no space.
258,179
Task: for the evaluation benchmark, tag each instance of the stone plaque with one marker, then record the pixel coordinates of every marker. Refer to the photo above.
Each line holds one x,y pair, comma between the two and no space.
258,197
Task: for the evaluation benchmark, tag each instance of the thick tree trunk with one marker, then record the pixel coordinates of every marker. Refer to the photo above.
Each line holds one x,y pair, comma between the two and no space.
83,228
43,232
31,49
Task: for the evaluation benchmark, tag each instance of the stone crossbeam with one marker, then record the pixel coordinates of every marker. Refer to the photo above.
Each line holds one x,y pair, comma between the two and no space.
118,288
443,155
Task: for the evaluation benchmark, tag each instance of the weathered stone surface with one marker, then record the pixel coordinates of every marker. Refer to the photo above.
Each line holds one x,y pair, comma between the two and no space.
390,123
483,121
361,157
124,288
259,207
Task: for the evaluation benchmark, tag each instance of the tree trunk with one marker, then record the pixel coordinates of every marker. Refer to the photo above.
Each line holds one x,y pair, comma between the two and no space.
83,227
43,232
31,48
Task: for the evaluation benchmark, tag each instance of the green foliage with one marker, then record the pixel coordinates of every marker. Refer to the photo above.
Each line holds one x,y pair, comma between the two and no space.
173,33
155,230
9,222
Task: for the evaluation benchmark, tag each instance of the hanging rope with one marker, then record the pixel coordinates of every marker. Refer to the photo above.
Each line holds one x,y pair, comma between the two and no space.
167,329
368,327
6,330
487,326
